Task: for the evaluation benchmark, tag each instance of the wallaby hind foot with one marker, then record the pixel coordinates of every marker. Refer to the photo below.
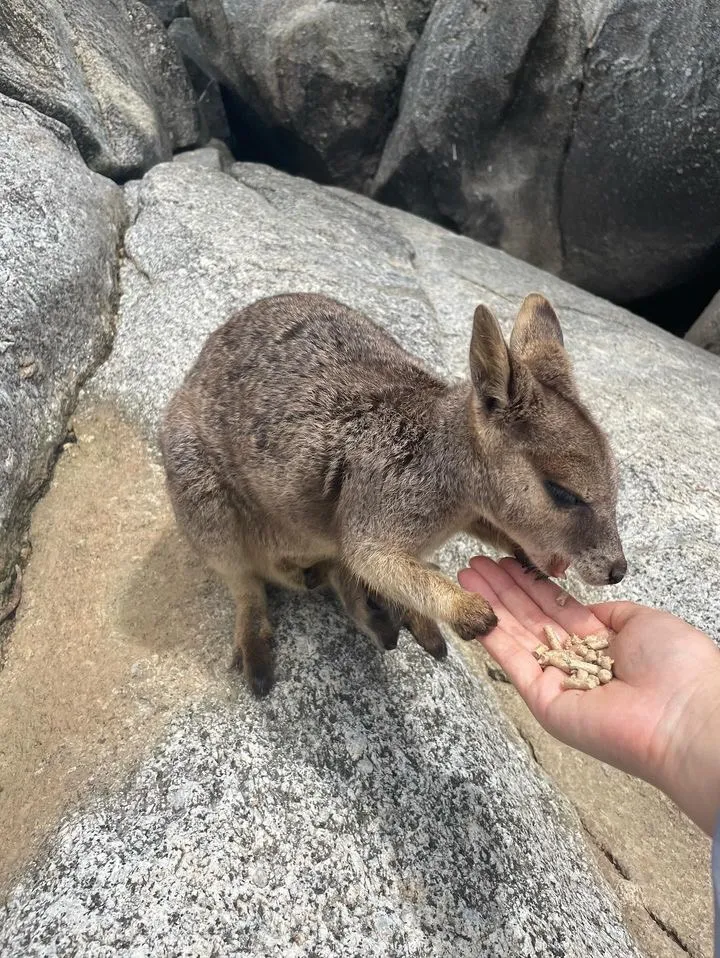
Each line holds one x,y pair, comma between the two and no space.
253,635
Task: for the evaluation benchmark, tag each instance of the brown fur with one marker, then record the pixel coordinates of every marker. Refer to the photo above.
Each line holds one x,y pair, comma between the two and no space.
307,447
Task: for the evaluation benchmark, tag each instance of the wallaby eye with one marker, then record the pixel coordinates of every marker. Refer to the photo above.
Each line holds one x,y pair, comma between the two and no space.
562,497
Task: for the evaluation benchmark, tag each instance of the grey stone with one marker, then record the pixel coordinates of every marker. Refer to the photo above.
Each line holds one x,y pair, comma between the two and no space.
106,69
640,193
579,137
705,331
252,830
60,229
479,141
214,156
239,237
322,81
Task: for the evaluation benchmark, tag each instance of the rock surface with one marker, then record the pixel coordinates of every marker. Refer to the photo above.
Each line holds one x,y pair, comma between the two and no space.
60,230
580,137
373,804
705,331
322,80
106,69
167,10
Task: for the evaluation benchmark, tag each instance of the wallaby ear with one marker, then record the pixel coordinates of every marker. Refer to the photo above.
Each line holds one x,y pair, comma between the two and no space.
489,360
536,343
536,326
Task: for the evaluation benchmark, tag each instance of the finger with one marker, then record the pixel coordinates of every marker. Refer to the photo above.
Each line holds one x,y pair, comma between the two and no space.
516,660
514,596
615,615
473,581
572,617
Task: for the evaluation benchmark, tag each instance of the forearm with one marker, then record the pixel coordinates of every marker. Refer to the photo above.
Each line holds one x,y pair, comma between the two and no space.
691,772
409,582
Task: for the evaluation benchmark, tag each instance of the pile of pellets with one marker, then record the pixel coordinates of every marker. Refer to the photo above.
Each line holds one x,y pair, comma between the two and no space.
585,661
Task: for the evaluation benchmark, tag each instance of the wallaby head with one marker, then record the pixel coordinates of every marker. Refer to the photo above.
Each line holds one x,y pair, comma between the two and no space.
551,479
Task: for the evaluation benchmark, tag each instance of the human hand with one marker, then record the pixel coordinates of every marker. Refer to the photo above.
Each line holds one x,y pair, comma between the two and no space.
658,719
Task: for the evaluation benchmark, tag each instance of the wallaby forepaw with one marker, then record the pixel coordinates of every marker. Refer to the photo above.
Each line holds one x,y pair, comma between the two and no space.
428,636
529,566
475,622
384,629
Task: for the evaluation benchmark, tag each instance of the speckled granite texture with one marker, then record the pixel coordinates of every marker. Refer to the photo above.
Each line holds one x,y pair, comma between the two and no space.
373,805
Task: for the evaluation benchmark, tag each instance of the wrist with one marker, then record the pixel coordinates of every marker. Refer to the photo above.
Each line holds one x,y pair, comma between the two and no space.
690,771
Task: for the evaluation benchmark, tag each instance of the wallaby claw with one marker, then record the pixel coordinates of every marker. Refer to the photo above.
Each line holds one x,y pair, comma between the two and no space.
524,560
529,566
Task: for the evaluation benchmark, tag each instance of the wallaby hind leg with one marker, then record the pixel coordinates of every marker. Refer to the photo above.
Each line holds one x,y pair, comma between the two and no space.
215,525
253,633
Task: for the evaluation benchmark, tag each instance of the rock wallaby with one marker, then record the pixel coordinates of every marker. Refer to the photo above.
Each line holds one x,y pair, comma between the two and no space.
306,447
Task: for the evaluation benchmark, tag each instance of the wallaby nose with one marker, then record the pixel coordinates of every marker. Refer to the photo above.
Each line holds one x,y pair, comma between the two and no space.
617,572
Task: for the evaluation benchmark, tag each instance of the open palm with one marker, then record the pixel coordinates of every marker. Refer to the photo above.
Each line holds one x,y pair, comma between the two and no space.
638,721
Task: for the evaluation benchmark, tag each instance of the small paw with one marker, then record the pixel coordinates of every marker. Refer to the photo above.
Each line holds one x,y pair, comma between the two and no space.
475,622
530,567
261,679
525,562
428,636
